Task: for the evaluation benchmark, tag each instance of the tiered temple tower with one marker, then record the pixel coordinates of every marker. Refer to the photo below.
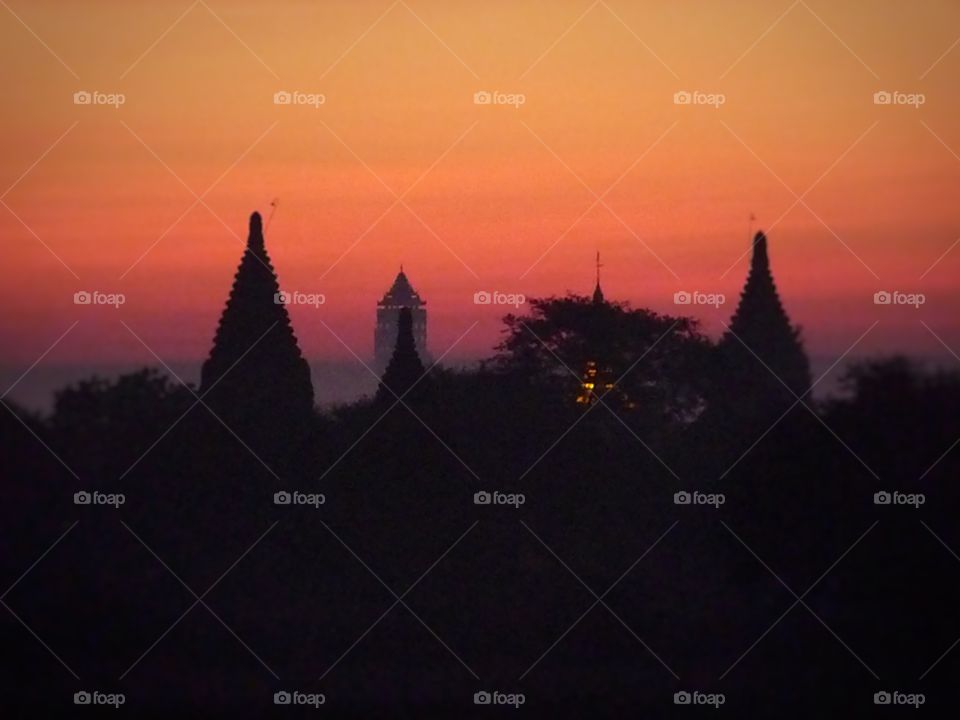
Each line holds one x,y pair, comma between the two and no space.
256,374
400,295
405,368
761,334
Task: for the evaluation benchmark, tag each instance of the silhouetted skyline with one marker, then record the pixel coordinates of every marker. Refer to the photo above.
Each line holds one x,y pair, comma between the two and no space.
587,360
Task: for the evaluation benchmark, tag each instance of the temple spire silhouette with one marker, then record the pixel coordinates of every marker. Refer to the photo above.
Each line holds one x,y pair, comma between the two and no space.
405,368
597,376
400,295
597,292
760,328
256,374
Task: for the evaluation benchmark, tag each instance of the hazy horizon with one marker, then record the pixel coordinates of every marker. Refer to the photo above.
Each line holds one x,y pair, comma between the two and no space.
335,381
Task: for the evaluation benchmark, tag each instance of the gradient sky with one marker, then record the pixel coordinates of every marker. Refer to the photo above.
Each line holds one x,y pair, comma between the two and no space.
502,198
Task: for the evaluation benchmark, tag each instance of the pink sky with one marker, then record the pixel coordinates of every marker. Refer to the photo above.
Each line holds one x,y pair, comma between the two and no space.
503,198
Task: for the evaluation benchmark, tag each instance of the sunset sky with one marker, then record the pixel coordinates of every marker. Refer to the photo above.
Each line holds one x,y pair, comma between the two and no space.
492,197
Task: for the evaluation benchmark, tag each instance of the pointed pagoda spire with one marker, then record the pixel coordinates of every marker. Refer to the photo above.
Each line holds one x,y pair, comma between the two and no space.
255,369
255,236
761,324
597,292
401,293
405,368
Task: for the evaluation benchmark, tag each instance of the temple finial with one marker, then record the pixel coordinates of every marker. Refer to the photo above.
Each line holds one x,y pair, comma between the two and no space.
255,238
761,260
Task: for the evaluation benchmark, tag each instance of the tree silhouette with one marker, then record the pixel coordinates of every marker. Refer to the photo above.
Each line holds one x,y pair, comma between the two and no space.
658,363
104,425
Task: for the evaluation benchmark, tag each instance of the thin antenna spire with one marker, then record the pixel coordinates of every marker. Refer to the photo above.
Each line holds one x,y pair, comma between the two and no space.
273,208
597,292
753,219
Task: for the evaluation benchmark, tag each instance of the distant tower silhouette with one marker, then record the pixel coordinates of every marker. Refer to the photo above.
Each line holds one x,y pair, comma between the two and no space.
761,323
400,295
597,292
256,371
405,367
597,379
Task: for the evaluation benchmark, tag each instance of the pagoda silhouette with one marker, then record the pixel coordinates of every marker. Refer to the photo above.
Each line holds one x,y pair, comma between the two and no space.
597,378
256,377
400,295
405,368
763,364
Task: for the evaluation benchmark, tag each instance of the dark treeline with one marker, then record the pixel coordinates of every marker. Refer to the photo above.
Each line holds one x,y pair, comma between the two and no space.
598,414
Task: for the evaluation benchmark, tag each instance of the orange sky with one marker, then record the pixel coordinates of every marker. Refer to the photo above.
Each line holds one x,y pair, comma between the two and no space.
505,198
